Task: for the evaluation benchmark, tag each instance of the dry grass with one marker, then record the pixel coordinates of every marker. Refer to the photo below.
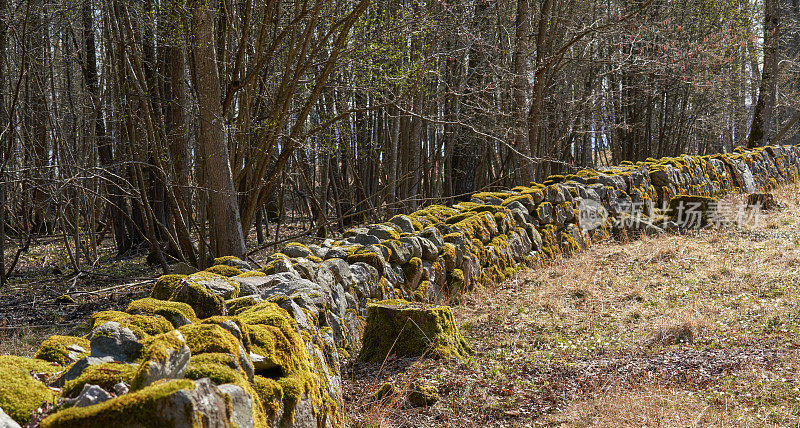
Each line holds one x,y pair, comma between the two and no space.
692,330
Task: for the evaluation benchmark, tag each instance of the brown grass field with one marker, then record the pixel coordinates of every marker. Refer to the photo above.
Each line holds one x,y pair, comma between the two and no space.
701,329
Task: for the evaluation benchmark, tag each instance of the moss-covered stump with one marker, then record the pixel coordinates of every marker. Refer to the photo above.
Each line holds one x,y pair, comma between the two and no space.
410,330
764,201
691,212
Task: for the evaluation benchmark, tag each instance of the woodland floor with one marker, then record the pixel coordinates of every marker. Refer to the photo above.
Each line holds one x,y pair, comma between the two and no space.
701,329
31,304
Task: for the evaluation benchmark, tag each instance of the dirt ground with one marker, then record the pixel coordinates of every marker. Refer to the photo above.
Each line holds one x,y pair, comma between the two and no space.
691,330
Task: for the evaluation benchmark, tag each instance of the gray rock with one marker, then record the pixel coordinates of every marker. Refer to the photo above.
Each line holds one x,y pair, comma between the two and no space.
241,405
249,285
91,395
432,234
335,253
365,239
121,388
172,366
6,421
414,245
517,205
404,223
340,271
401,251
76,369
220,286
384,231
429,251
115,341
183,269
296,250
283,265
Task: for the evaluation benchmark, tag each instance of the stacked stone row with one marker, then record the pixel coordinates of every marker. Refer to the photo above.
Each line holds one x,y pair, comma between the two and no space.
267,342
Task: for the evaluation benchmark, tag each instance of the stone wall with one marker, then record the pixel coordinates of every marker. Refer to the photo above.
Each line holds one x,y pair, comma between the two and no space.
265,345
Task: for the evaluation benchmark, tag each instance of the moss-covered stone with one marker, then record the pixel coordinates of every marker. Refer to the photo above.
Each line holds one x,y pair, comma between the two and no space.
250,273
209,338
134,409
165,286
20,393
204,302
239,304
154,356
368,257
410,330
104,375
224,270
177,313
63,350
141,325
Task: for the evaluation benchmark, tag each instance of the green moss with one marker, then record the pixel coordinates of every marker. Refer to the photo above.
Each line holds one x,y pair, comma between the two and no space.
512,199
410,331
459,217
449,255
237,305
65,299
267,313
55,349
271,394
370,258
227,259
433,214
423,395
156,350
455,281
488,209
282,349
141,325
134,409
177,313
20,393
224,270
219,320
413,273
209,338
294,387
204,302
165,286
219,374
104,375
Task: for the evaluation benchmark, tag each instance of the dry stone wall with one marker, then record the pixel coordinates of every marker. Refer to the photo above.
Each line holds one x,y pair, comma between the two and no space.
264,346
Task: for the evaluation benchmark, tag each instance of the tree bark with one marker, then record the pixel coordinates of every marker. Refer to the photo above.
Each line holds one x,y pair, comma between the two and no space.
762,130
225,222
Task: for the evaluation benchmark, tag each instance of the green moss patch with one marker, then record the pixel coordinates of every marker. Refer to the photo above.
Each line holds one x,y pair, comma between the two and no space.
20,393
62,349
141,325
177,313
134,409
104,375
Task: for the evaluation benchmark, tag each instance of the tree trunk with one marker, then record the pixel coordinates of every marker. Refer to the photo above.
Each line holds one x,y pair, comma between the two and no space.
521,87
762,130
225,222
